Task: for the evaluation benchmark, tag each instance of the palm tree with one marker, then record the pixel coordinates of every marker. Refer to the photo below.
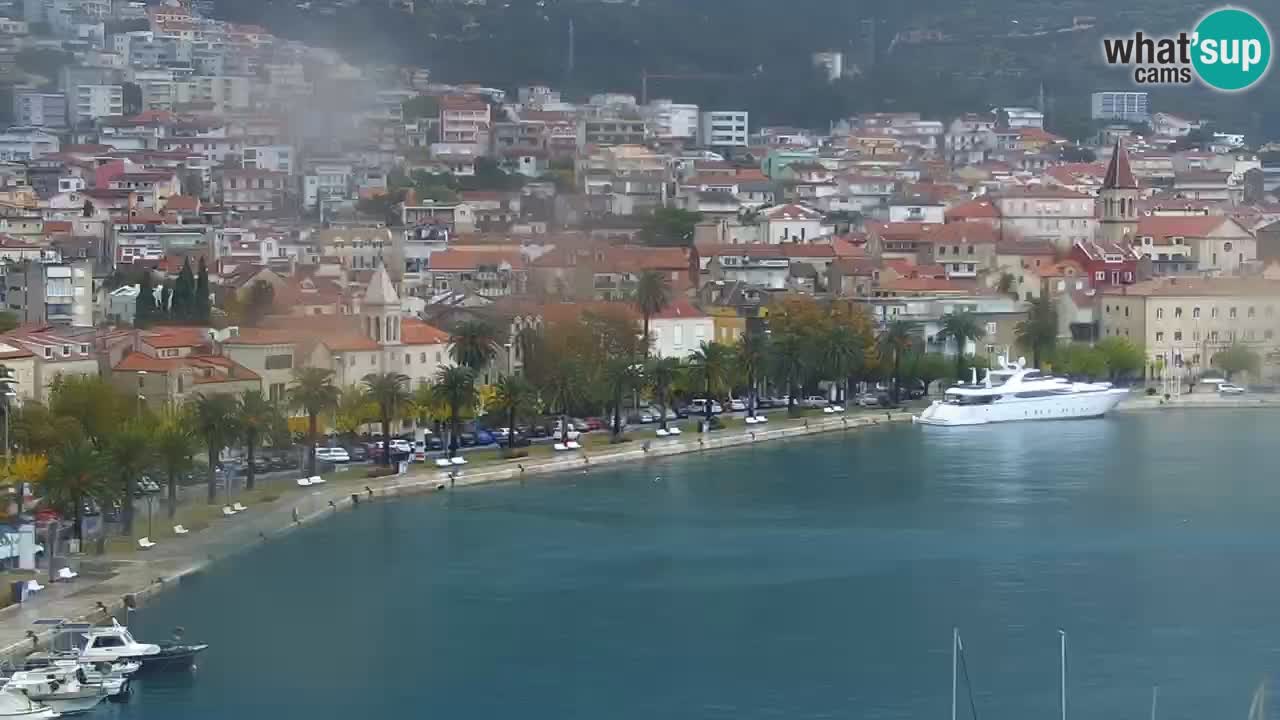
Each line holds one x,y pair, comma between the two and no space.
474,344
662,375
214,419
1039,332
456,387
313,392
897,340
788,360
391,393
255,415
129,451
842,354
76,474
750,356
565,386
960,328
709,365
653,294
174,446
515,396
621,374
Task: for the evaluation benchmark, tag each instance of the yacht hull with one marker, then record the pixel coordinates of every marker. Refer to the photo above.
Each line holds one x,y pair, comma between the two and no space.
1063,407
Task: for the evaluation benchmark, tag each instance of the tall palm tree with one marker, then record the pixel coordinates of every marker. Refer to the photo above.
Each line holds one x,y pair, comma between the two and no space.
474,344
788,358
662,375
76,474
255,415
653,295
214,419
750,356
515,396
960,328
894,343
842,355
129,451
175,443
456,387
1039,332
390,391
313,392
564,386
621,374
709,365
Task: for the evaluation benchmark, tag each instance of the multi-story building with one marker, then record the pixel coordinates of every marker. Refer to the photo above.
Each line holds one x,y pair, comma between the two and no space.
724,129
360,248
93,102
50,293
26,143
278,158
325,181
1046,213
612,131
245,190
465,120
674,121
1121,106
224,93
40,109
1182,322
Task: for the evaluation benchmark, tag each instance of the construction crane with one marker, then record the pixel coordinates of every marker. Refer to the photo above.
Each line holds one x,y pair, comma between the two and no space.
645,76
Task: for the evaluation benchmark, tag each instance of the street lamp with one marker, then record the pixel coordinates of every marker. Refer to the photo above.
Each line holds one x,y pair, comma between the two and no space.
508,346
142,376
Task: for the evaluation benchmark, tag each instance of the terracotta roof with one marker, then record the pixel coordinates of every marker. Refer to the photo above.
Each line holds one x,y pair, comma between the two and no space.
1119,173
454,259
181,203
350,342
679,308
1026,247
902,230
416,332
928,284
1065,268
1098,249
263,336
462,102
1034,133
976,208
1163,227
791,211
1196,286
135,361
1043,191
787,250
855,266
176,337
963,233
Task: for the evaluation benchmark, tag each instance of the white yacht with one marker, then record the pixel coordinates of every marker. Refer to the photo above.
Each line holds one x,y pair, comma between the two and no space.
65,690
1013,393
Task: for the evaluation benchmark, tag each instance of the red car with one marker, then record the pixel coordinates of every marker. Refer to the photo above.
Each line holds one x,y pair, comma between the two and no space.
595,423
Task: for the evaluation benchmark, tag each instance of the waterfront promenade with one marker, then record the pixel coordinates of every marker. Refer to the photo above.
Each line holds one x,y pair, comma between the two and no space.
105,581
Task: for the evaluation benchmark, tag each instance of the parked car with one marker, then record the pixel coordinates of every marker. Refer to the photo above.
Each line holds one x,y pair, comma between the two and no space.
699,407
869,400
358,452
594,423
737,404
1227,388
573,434
401,445
815,401
776,401
653,415
333,455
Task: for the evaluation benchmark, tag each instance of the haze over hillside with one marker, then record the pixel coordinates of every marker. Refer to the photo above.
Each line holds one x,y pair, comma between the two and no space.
932,55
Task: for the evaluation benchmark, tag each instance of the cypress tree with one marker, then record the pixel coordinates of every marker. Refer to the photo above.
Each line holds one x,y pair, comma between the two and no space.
184,294
203,306
145,310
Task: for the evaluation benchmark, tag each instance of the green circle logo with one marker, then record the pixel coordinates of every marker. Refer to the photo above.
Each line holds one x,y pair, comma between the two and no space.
1232,49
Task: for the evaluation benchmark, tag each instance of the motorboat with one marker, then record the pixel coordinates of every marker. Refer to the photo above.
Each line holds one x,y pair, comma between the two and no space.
64,689
1012,392
113,644
111,677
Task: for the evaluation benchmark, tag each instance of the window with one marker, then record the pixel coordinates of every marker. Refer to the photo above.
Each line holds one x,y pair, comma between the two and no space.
970,249
1226,247
1213,313
1177,312
942,249
1177,335
279,362
422,358
84,349
66,351
373,359
1231,313
1159,337
1252,311
1159,313
1195,313
1100,276
1267,334
408,359
1126,311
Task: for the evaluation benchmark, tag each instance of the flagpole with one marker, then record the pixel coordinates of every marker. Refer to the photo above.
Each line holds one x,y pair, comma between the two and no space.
955,645
1062,658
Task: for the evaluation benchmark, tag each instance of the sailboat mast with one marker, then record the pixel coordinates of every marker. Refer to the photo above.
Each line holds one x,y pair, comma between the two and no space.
1062,661
955,645
1155,697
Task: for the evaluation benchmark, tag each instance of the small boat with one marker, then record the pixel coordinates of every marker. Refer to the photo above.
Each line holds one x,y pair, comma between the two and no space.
113,644
65,690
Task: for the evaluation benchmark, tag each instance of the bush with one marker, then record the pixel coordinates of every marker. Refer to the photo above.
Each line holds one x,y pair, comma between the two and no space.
380,472
514,453
1151,391
270,498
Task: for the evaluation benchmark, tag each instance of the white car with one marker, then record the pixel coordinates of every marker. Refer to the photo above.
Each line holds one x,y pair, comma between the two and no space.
572,434
699,407
400,445
333,455
815,401
737,404
1230,389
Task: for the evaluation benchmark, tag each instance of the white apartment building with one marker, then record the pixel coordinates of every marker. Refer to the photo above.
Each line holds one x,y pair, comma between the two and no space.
225,92
674,121
724,128
97,101
1055,214
158,88
1121,106
279,158
26,143
38,109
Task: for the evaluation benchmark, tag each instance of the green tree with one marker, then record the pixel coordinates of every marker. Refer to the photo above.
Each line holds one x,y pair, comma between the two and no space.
564,385
203,304
1123,356
175,444
653,294
8,321
670,227
422,106
789,362
312,391
456,388
183,306
709,366
960,328
390,392
130,450
1039,332
1007,284
842,352
38,430
898,338
1081,360
1237,358
474,344
93,402
144,312
353,411
213,417
255,415
622,373
515,397
76,474
663,374
750,357
931,367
